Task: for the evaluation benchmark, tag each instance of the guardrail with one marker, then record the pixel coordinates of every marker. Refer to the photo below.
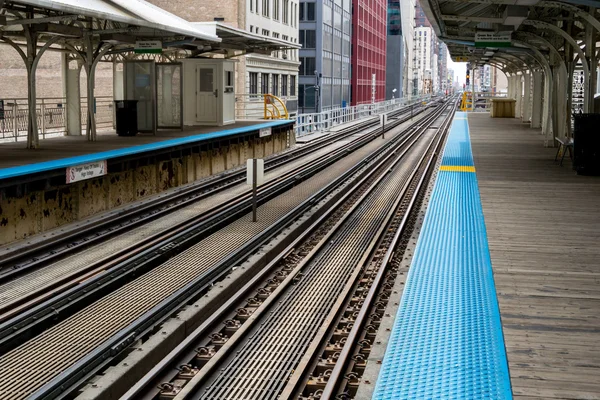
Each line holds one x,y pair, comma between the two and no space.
51,116
481,101
262,106
317,122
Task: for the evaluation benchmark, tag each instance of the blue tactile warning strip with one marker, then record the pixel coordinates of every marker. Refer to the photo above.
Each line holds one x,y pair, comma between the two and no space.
126,151
447,338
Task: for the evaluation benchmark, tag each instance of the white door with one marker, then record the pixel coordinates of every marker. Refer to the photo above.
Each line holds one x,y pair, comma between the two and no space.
206,94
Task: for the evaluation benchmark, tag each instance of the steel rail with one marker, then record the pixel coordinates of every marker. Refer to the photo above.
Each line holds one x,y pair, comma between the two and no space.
12,323
187,391
183,352
23,260
329,392
112,346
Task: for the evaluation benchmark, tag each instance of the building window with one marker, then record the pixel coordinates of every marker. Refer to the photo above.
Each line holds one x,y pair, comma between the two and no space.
265,32
311,39
292,85
266,8
286,12
264,83
310,11
251,8
301,11
307,65
275,78
284,85
276,10
253,83
295,15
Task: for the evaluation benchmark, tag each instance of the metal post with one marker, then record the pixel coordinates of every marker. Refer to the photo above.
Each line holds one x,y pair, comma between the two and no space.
16,120
43,113
254,178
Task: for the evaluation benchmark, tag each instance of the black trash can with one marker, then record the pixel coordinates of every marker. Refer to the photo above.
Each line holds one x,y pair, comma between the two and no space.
586,144
126,115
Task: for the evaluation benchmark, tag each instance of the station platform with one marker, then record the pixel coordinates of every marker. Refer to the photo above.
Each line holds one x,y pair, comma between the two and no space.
60,152
502,298
70,179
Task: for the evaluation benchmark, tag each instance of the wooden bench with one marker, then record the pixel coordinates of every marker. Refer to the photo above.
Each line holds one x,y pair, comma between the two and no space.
565,144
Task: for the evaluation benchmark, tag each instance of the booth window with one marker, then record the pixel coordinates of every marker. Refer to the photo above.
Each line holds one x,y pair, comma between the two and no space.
228,81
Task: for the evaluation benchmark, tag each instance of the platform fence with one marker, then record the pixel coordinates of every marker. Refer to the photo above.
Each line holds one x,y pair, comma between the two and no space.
483,101
307,124
51,117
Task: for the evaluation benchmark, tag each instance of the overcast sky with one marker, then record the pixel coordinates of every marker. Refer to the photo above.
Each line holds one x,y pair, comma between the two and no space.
460,70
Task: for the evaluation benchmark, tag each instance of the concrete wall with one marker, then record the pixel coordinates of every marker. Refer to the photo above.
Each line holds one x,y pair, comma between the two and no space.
41,210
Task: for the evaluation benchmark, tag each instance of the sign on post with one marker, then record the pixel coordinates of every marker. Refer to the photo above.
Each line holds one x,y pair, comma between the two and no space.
148,47
382,121
492,39
82,172
255,176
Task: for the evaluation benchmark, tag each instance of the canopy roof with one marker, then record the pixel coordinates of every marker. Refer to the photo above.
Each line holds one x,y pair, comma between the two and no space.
532,27
133,13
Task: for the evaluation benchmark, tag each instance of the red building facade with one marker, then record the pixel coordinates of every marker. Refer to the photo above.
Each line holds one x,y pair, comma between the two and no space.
369,19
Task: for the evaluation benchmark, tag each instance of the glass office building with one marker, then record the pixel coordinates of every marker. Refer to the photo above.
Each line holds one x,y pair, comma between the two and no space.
325,36
395,52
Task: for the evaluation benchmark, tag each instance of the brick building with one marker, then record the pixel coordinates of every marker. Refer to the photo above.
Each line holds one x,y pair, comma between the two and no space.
255,73
369,20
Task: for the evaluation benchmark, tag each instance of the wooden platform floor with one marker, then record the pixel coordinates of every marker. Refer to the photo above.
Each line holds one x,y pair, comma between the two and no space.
15,154
543,226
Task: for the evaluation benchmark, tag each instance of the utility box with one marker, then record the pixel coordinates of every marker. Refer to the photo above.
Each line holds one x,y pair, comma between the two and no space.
503,108
208,92
126,117
586,144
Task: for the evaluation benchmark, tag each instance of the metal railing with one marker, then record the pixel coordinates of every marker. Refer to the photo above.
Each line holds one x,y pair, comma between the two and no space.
262,106
318,122
481,101
51,117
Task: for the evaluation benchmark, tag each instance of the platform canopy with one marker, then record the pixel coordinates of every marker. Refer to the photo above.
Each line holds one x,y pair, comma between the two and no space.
242,42
91,31
555,42
115,21
504,31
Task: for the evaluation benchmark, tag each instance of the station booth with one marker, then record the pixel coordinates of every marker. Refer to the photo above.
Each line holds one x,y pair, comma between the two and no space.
193,92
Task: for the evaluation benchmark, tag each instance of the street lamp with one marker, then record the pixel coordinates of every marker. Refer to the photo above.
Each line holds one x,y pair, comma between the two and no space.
304,98
393,92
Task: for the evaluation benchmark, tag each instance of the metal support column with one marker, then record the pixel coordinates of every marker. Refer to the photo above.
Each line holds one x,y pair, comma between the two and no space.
91,60
560,106
538,98
519,96
527,97
72,76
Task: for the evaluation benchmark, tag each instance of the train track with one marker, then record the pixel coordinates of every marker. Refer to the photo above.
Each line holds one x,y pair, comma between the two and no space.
30,305
21,260
156,303
248,347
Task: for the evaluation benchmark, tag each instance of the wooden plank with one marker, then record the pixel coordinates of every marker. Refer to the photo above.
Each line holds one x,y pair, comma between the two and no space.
543,229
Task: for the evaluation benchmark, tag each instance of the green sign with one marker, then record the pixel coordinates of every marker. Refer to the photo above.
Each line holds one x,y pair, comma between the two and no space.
148,47
491,39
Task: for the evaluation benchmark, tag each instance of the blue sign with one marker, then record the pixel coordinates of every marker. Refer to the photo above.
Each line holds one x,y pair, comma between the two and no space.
343,103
